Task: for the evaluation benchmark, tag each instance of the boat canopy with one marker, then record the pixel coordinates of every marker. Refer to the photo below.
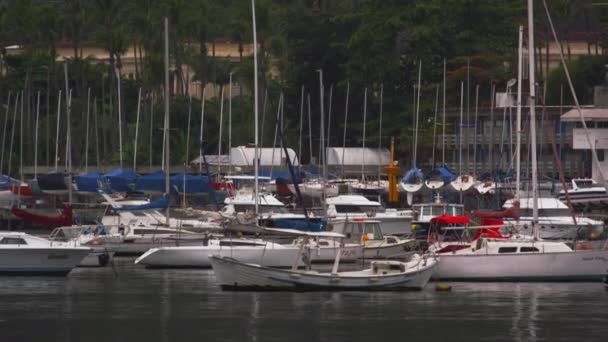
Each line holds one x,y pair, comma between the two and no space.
449,219
52,181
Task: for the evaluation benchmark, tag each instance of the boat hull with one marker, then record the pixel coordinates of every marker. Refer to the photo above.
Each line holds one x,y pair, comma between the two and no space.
566,266
234,275
40,261
198,256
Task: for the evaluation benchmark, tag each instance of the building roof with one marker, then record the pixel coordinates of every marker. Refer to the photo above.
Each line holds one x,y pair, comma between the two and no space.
357,156
590,114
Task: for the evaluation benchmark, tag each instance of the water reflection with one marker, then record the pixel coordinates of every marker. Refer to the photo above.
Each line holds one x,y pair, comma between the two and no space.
175,305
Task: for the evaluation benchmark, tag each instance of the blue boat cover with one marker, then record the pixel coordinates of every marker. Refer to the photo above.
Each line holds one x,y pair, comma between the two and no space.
120,180
413,176
161,203
5,181
51,181
87,182
151,182
302,224
194,184
446,175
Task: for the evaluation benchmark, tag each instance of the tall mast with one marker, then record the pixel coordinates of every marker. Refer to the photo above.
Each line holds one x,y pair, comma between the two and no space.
364,124
345,123
200,156
380,126
119,121
532,116
57,132
8,107
137,130
301,119
230,121
86,140
255,99
443,121
518,114
166,141
322,155
36,137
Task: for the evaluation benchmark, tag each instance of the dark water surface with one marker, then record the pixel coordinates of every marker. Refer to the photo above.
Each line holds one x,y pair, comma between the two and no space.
186,305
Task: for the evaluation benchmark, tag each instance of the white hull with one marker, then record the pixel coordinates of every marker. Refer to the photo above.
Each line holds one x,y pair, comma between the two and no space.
97,258
560,228
198,256
462,184
315,190
564,266
52,260
484,188
434,184
231,274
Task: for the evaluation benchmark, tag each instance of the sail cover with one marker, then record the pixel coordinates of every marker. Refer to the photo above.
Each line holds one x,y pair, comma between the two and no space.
194,184
87,182
152,182
413,176
120,180
444,173
51,182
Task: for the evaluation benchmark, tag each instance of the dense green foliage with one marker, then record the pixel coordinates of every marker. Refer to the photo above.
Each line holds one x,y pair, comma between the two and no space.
361,44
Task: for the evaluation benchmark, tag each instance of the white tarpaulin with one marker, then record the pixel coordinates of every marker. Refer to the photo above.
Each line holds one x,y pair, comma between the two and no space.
357,156
243,156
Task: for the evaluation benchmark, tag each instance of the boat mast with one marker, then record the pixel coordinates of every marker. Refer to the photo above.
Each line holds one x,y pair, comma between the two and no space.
417,113
229,123
200,137
532,117
184,190
136,130
301,119
219,147
86,140
166,135
380,127
322,156
57,132
345,123
364,124
36,137
518,115
255,100
8,107
119,121
443,121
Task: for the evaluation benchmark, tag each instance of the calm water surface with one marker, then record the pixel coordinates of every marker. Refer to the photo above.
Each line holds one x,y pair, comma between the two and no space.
186,305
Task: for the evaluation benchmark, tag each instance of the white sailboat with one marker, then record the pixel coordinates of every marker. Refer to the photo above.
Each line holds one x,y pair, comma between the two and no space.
381,275
523,258
464,182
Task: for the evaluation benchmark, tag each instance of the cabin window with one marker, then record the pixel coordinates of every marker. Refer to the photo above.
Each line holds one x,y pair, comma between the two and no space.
507,250
528,249
12,241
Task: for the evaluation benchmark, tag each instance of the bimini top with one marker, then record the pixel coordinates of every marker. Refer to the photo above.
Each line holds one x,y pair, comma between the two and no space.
449,219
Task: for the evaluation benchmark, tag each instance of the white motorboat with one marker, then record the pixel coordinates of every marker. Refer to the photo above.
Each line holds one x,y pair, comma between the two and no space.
394,222
381,275
585,190
79,236
521,259
555,220
21,253
376,245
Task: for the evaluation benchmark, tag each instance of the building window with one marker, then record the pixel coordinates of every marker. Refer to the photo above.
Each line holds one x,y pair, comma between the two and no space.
600,155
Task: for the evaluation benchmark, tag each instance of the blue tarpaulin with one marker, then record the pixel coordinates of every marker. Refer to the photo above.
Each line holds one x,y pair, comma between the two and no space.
5,181
87,182
446,175
120,180
194,184
152,182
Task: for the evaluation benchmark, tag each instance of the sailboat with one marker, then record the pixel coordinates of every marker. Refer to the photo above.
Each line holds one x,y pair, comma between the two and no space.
441,176
413,181
463,182
523,258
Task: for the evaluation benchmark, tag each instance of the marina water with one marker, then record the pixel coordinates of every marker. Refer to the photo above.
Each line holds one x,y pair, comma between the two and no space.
138,304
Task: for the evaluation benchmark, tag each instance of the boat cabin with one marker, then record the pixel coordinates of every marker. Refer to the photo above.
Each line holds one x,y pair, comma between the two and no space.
359,230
